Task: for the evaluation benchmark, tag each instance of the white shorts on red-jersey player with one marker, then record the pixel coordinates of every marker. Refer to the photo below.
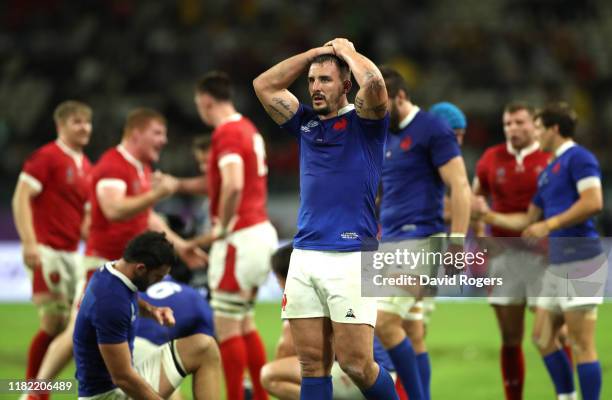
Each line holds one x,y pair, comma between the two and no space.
238,263
58,274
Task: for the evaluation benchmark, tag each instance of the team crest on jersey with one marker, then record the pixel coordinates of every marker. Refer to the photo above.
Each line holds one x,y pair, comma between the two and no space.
70,175
340,125
309,125
556,168
406,143
500,174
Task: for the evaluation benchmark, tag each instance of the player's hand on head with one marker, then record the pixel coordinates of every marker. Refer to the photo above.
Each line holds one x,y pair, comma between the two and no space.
340,44
31,255
164,316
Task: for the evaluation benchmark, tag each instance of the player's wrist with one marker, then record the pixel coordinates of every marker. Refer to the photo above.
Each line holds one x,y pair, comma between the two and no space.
552,223
219,231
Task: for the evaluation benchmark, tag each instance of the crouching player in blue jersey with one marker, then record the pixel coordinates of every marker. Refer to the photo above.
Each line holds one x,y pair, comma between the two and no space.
422,158
341,150
192,315
105,330
568,195
281,377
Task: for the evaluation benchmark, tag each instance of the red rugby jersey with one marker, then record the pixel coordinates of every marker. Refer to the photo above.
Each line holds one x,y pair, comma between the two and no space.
118,168
237,139
59,175
510,178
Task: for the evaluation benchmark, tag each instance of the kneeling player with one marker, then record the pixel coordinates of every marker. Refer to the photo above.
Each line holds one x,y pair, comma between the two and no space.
105,330
281,377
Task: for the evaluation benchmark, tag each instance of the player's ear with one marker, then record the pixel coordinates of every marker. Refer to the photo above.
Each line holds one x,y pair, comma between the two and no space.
347,85
141,269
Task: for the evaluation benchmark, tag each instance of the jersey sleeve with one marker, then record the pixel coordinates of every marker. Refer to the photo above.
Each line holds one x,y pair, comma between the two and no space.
228,145
584,170
294,125
537,200
443,146
37,170
111,175
482,172
374,127
111,321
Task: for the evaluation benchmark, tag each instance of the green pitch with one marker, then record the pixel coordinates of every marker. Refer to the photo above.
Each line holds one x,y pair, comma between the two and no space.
463,344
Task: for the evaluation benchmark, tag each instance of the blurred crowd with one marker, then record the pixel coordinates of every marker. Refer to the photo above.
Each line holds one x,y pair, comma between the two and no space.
118,54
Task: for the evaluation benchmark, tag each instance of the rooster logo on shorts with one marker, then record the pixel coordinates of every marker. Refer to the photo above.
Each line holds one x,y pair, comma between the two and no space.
350,314
284,302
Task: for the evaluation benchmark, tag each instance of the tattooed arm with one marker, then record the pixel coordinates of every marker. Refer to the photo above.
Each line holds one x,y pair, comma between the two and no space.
271,86
371,99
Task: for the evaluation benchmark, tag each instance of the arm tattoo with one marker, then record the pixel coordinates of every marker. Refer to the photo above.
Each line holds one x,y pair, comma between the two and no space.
359,102
280,107
283,103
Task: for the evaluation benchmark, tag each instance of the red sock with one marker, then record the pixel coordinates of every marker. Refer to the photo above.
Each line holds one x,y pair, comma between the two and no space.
568,352
234,357
256,360
399,388
38,348
513,371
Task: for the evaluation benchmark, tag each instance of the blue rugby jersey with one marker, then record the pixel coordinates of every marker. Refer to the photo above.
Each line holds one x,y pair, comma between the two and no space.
558,189
191,312
340,166
106,316
412,201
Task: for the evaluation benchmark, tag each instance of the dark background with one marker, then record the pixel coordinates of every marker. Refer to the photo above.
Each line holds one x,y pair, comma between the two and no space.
120,54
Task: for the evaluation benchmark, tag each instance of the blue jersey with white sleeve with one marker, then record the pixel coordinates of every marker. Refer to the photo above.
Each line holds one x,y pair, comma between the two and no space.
573,170
412,201
192,312
106,316
340,166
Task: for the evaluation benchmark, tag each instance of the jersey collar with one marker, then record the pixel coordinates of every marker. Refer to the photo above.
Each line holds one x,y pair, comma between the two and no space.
346,109
109,267
131,159
564,147
230,118
75,155
522,153
408,119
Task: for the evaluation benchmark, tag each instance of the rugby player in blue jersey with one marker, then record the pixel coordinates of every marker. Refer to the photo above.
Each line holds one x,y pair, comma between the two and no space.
422,159
569,195
281,377
341,151
105,329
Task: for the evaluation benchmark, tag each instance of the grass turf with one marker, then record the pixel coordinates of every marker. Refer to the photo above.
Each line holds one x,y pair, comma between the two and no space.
463,342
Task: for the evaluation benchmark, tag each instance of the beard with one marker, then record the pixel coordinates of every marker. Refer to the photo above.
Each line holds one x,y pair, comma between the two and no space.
394,121
325,110
141,283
